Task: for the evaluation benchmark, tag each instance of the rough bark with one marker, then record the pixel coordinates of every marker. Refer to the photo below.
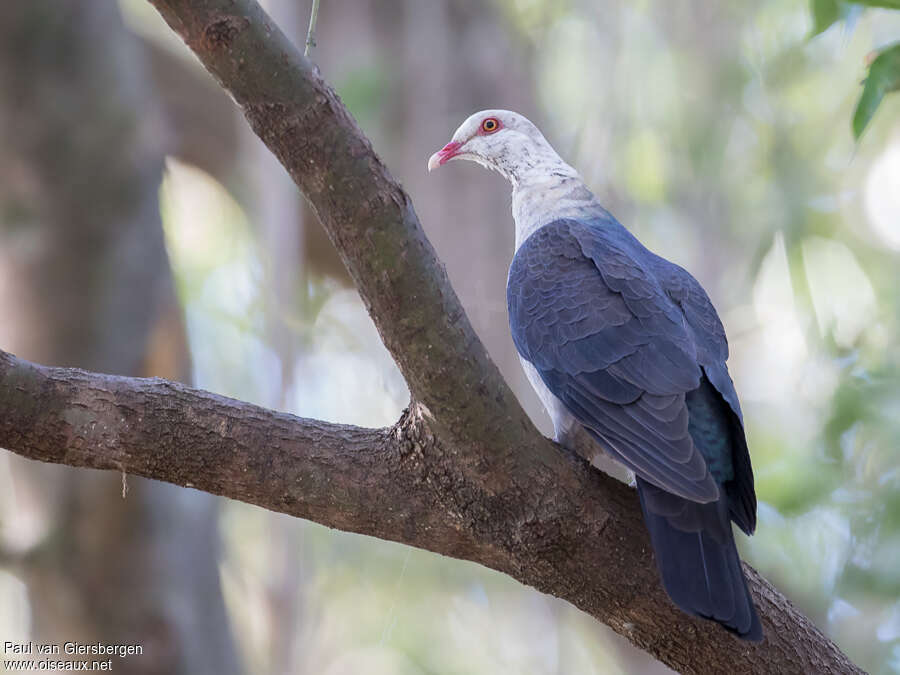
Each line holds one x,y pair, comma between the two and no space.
464,473
376,232
559,526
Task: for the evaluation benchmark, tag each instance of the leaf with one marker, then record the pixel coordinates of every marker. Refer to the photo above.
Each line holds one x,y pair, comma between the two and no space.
886,4
824,13
883,78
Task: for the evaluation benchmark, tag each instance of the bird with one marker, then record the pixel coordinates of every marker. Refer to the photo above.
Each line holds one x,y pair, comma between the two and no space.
625,347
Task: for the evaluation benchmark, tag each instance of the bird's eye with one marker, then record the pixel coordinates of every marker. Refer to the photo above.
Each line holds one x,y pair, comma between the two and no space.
490,125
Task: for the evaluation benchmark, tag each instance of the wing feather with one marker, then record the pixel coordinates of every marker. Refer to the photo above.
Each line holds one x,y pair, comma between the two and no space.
609,343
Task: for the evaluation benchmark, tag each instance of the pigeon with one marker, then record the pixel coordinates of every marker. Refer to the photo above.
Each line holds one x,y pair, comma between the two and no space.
625,346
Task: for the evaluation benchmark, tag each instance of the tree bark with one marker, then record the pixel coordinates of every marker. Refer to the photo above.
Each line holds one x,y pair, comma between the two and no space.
463,473
558,525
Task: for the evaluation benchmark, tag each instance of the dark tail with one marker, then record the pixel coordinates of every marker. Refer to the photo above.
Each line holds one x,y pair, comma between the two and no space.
698,561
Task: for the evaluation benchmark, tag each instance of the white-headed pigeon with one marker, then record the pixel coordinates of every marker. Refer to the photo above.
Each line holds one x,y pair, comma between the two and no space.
627,346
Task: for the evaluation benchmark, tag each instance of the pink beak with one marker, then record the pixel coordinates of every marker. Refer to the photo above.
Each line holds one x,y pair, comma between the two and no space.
444,155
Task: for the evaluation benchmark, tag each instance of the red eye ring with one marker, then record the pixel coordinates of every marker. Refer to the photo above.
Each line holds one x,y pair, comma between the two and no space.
490,125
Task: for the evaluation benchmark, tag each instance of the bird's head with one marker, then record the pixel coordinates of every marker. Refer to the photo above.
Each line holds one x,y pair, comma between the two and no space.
500,140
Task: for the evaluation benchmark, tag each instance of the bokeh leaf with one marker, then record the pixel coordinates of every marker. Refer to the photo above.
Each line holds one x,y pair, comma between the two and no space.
824,13
887,4
827,12
883,78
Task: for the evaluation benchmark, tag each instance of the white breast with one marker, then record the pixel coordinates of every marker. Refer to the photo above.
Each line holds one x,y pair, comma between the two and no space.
568,432
563,421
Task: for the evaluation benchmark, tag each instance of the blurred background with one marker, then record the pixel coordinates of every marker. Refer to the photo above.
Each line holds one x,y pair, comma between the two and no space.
145,231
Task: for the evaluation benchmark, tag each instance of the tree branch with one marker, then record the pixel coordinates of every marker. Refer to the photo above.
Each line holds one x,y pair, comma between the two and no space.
570,531
368,216
463,473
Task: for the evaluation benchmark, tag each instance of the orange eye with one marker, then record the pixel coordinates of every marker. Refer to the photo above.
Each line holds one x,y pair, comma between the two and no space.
490,125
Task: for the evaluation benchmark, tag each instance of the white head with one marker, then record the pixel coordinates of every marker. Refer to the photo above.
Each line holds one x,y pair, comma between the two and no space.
505,142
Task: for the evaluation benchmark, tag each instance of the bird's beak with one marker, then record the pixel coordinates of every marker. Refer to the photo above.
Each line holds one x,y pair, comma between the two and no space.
444,155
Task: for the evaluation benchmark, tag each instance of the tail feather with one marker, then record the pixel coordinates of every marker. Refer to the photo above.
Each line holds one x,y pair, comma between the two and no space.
698,560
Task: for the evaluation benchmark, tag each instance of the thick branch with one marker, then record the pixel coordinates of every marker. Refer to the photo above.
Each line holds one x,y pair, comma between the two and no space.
567,530
366,213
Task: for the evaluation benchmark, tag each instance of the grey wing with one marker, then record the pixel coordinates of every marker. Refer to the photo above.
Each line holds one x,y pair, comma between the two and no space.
610,344
712,353
704,324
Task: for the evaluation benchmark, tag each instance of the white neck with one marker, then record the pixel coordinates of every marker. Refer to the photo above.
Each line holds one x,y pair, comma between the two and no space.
544,187
538,199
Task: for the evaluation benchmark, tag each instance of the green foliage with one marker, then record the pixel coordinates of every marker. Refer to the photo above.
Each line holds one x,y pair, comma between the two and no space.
824,13
886,4
884,71
883,78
